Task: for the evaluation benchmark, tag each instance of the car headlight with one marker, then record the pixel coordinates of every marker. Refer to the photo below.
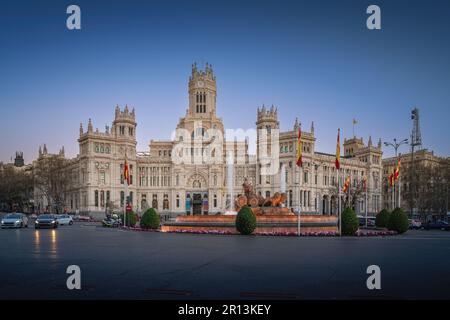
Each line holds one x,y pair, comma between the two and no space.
17,221
36,221
53,221
2,222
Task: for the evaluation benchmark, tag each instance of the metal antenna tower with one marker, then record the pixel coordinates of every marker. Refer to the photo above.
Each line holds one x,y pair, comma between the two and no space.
416,137
416,141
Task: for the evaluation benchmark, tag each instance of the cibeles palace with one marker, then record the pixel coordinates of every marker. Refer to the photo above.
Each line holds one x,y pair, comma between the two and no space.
171,178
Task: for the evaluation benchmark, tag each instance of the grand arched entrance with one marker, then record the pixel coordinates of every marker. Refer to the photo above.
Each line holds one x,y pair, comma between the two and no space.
198,194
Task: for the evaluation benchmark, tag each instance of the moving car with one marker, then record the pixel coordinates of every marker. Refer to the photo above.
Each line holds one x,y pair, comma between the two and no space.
438,225
46,221
14,220
65,219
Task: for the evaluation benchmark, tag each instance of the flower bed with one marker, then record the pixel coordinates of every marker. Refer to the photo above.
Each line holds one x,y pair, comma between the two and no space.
359,233
375,233
139,229
303,234
221,232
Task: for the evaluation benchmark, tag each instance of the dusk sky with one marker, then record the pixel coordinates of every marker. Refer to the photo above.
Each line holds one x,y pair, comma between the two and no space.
314,60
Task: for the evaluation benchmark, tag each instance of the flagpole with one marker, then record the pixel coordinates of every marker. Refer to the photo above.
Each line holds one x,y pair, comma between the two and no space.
339,202
393,193
366,187
125,204
299,206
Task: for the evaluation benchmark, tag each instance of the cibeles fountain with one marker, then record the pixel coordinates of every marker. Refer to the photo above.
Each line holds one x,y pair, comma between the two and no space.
272,214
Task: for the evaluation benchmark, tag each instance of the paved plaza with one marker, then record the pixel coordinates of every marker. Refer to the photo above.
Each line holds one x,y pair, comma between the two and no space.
150,265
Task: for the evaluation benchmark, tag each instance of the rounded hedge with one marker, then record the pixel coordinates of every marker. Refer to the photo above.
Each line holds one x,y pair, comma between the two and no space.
382,218
131,219
350,222
150,219
245,220
398,221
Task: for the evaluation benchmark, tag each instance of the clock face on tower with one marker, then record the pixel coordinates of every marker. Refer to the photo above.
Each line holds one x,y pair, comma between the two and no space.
200,84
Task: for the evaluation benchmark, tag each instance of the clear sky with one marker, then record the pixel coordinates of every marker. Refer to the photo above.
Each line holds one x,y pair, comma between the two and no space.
315,60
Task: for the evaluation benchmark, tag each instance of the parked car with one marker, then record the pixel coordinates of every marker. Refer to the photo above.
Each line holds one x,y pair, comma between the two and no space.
15,220
81,218
65,219
415,224
362,221
46,221
438,225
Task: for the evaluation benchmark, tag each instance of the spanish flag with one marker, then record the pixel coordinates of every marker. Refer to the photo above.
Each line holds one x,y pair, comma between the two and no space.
397,170
364,183
338,151
346,185
391,179
126,172
299,148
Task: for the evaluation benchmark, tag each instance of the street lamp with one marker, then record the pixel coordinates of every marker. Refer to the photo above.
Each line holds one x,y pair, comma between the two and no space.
396,145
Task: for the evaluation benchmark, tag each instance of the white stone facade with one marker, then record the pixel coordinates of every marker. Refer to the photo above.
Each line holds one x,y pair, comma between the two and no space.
159,181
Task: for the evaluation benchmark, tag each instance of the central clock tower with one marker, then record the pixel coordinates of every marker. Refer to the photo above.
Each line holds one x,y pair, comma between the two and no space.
202,92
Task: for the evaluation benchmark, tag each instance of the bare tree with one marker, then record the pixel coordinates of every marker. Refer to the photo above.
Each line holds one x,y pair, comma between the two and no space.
16,189
427,188
351,197
52,179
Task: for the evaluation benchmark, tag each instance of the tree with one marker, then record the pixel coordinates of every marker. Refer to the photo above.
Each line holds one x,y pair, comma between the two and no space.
52,179
150,219
245,220
16,188
350,222
426,188
398,221
351,197
382,218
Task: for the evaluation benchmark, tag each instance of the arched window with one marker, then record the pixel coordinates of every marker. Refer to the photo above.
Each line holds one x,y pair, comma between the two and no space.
166,202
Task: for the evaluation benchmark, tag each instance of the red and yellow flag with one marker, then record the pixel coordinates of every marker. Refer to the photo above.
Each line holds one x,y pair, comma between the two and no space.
346,185
126,172
338,151
299,148
391,179
397,170
364,183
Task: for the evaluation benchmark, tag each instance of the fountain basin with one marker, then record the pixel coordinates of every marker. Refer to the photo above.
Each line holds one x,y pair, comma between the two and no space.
264,223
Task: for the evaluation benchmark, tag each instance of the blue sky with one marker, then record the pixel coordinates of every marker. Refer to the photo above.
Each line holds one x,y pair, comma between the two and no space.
315,60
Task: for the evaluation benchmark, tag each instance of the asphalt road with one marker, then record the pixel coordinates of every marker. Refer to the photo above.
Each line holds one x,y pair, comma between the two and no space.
117,264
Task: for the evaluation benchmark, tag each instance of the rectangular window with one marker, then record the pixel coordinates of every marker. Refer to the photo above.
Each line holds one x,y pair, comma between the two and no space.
96,198
102,177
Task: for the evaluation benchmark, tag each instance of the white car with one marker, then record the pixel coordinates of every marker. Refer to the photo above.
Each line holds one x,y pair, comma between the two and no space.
14,220
65,219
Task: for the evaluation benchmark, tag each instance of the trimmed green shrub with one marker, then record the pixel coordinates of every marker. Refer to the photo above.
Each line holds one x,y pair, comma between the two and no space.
382,218
350,222
245,220
131,219
150,219
398,221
